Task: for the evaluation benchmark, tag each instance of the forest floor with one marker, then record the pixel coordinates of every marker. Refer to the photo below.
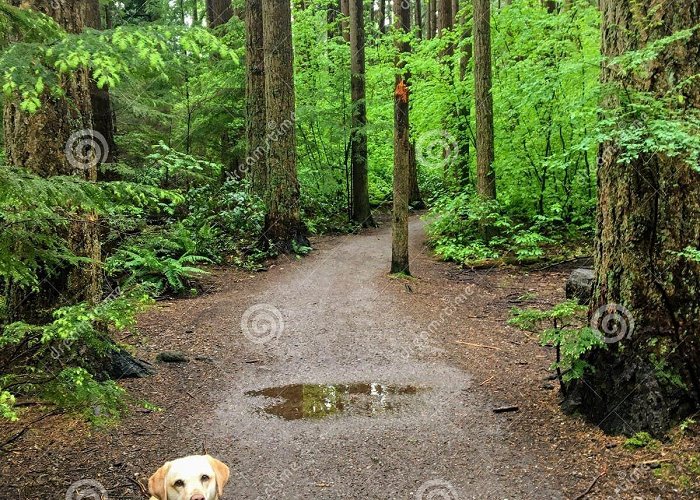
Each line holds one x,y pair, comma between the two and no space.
398,413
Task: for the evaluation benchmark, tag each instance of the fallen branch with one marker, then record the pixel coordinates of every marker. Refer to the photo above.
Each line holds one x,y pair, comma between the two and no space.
590,487
505,409
478,345
14,438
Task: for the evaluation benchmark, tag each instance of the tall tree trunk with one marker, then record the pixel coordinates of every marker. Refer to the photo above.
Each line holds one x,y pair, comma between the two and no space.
332,12
648,213
463,161
415,200
38,142
103,118
256,122
445,18
419,18
486,178
381,16
358,134
432,19
402,147
283,219
218,12
344,25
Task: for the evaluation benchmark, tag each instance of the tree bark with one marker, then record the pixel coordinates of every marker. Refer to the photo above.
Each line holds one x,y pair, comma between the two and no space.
402,147
103,117
344,25
381,16
486,178
444,16
38,142
332,12
648,212
283,219
463,161
419,19
256,161
432,19
358,134
218,12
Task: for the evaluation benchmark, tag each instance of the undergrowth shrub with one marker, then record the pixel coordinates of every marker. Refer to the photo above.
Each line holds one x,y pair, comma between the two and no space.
563,327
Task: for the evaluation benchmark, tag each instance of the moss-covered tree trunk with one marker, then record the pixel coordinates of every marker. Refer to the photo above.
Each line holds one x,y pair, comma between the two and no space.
358,134
39,142
648,213
283,219
402,147
255,162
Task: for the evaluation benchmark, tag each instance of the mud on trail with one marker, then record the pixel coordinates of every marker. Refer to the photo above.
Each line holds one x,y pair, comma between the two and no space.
326,378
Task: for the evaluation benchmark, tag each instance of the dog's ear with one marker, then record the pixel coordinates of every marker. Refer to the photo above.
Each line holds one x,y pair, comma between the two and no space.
222,474
156,484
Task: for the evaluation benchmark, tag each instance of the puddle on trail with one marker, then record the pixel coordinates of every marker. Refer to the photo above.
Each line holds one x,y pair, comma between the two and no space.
311,401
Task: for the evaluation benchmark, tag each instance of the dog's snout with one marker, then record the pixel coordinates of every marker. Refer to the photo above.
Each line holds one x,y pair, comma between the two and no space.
197,496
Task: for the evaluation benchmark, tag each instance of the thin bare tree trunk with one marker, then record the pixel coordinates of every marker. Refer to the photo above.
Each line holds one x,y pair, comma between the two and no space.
419,18
382,16
432,18
344,25
402,148
486,178
358,134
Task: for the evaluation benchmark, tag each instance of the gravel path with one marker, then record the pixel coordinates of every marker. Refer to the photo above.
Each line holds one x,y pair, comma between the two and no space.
336,319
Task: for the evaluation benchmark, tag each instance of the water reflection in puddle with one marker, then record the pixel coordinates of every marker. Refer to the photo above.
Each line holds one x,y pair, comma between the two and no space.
310,401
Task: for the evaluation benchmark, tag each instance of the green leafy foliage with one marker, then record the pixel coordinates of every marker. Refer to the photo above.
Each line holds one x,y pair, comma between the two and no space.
48,360
561,327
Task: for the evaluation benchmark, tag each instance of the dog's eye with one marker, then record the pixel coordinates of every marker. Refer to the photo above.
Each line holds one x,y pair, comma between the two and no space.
205,478
179,483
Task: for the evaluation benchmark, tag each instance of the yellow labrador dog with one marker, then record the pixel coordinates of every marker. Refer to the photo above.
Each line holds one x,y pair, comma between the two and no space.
197,477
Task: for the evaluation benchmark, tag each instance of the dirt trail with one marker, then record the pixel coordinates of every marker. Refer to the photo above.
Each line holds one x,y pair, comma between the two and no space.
418,424
342,322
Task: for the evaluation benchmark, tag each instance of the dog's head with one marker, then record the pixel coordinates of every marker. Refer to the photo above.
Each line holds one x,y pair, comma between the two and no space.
198,477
